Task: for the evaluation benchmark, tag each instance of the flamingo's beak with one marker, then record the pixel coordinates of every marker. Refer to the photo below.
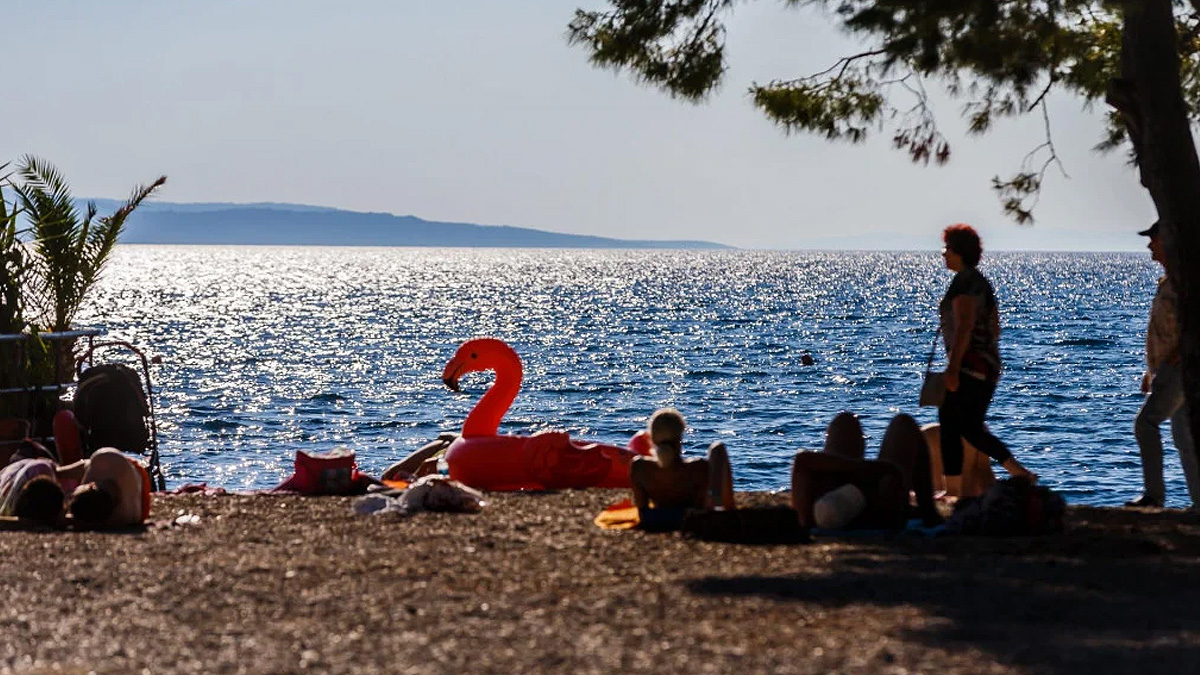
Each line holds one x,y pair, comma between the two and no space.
450,375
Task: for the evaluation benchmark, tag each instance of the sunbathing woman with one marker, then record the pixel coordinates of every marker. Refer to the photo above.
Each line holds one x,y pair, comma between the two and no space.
113,492
838,488
665,485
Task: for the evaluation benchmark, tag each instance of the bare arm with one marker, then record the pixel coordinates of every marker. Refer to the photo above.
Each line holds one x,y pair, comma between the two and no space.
412,463
964,308
73,471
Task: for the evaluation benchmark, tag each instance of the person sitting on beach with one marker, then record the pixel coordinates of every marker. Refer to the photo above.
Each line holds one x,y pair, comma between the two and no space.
665,485
113,492
839,489
421,462
977,474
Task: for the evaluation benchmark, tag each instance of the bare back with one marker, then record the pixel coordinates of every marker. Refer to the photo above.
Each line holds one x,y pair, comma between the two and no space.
684,485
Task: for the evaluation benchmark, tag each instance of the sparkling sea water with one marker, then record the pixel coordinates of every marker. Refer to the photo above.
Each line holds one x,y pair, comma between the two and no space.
267,350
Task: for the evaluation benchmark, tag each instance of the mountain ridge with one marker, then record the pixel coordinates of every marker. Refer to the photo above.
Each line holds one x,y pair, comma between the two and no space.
273,223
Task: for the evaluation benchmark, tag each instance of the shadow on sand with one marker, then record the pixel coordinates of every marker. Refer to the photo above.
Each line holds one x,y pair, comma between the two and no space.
1118,593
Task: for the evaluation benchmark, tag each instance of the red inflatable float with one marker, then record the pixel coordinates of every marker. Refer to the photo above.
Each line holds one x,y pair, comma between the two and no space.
548,460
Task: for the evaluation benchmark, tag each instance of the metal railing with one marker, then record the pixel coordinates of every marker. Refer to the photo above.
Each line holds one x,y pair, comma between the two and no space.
64,381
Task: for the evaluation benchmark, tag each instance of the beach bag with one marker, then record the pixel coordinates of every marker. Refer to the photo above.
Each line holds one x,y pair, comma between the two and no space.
111,409
1012,507
331,473
933,388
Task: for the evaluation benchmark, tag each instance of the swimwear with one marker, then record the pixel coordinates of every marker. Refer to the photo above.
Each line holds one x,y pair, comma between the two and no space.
661,518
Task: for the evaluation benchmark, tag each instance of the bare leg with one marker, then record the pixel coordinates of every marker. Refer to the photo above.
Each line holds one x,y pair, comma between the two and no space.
977,471
412,464
977,475
720,477
904,445
933,440
803,494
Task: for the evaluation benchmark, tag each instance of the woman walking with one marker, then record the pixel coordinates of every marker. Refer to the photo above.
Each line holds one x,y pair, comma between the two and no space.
970,324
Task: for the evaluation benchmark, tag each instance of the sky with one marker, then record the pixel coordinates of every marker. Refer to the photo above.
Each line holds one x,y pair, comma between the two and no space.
476,111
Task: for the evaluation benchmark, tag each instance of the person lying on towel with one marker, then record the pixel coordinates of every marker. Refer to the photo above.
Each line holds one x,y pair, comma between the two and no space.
839,489
113,492
665,485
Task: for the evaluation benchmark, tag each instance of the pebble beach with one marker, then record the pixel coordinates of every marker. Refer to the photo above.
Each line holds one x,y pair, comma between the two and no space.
286,584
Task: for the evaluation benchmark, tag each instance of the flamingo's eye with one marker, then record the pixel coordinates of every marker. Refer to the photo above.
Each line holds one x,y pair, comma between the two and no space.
474,356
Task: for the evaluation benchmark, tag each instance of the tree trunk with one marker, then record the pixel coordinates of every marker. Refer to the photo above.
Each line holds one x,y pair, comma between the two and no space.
1166,155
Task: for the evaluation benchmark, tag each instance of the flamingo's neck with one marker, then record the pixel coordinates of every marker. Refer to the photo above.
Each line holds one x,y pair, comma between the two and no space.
485,417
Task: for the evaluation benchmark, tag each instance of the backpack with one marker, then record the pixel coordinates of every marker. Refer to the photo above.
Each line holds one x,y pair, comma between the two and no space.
111,408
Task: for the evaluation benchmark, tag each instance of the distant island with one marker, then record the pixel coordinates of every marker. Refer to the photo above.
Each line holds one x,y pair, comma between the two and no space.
299,225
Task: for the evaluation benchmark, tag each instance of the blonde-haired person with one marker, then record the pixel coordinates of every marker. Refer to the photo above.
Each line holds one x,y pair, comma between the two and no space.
665,484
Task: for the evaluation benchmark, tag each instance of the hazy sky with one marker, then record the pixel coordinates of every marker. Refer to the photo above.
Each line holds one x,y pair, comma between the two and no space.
479,111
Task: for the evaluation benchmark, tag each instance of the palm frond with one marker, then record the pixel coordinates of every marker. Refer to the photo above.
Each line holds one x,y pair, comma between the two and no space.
104,235
54,224
13,264
69,252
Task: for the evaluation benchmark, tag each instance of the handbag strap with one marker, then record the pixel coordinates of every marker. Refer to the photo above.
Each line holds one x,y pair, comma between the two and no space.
933,349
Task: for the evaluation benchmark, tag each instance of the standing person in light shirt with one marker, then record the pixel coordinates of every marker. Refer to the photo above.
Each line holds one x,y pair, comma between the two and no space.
1163,385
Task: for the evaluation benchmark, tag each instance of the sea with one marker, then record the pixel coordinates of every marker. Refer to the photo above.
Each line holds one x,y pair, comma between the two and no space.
268,350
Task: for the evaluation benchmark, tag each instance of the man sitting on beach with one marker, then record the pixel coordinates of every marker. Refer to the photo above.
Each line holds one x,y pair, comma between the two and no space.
838,488
420,462
665,485
113,492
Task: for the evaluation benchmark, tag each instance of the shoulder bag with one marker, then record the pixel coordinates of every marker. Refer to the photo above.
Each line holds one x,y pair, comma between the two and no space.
933,388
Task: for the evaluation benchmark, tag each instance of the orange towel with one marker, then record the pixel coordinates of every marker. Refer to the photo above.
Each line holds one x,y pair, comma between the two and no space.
145,488
620,516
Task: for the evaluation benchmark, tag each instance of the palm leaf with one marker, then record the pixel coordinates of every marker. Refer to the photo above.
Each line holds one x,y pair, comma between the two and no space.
54,223
100,240
14,264
70,252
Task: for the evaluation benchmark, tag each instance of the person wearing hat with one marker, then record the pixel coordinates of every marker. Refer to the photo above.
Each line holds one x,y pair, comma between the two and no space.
1163,385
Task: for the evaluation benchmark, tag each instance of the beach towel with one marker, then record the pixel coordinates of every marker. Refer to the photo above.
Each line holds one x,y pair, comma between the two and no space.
199,489
429,493
620,516
146,483
623,515
915,526
751,525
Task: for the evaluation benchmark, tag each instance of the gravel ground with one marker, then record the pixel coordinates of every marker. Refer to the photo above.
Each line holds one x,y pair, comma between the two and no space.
271,584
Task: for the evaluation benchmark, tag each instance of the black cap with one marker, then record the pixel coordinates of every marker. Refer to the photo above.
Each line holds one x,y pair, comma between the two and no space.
1151,231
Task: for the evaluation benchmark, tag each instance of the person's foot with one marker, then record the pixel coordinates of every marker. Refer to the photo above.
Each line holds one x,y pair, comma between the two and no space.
1145,501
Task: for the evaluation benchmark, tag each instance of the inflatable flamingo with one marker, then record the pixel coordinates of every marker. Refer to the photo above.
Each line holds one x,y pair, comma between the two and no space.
544,461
